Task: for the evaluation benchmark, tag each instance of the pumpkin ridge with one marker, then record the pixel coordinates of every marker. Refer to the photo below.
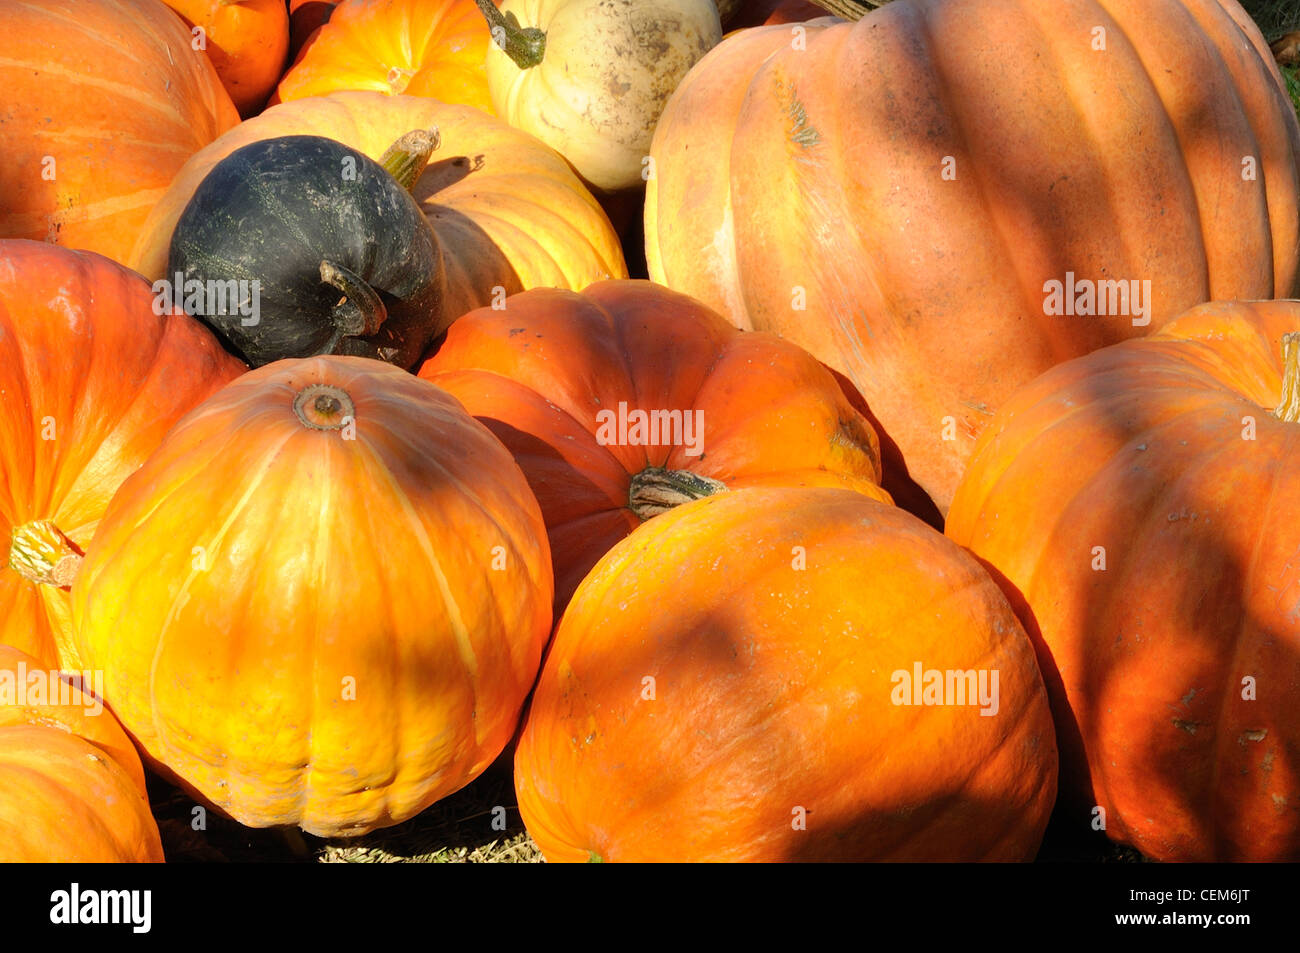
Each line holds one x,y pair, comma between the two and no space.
263,472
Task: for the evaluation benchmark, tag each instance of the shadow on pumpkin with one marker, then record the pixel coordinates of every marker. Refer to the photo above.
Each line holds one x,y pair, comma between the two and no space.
1159,676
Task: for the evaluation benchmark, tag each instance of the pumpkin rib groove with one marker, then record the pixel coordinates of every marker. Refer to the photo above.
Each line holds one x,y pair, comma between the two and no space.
470,493
122,90
172,610
454,615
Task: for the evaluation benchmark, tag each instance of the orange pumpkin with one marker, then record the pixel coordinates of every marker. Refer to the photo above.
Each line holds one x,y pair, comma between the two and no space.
104,101
418,47
92,378
627,399
322,600
1136,502
896,194
71,784
507,212
305,18
732,683
247,41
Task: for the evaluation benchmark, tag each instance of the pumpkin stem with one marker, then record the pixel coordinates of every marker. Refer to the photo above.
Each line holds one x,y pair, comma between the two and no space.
851,10
655,490
41,554
324,407
360,312
406,158
1288,408
526,46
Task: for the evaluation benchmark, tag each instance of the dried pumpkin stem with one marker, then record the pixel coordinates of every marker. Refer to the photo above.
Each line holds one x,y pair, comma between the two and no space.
656,490
324,407
526,46
42,554
852,10
407,158
1288,408
360,312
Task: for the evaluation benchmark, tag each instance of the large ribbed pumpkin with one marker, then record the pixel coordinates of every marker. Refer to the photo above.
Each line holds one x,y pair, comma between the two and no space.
417,47
895,195
628,399
1138,502
323,599
506,211
732,682
91,377
104,100
71,785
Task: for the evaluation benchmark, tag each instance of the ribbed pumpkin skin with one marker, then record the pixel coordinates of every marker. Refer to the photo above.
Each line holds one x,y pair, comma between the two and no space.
772,691
85,360
507,211
411,560
540,371
91,84
62,800
417,47
71,784
247,41
1145,660
822,169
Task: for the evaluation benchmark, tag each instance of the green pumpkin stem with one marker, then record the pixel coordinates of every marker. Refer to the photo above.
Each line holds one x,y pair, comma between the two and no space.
1288,407
655,490
526,46
41,554
360,312
851,10
406,158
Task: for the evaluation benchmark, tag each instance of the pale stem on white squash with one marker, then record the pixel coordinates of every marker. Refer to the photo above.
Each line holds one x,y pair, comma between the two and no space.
1288,407
526,46
42,554
656,490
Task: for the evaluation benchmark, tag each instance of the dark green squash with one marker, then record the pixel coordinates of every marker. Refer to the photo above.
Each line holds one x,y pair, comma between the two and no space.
343,258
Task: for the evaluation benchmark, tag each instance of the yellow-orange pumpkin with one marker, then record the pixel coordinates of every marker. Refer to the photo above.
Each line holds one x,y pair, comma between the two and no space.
418,47
322,600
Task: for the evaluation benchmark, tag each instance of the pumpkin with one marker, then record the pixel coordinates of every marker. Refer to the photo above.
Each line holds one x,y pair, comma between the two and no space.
335,253
733,682
912,197
1156,572
418,47
590,77
759,12
322,600
628,399
104,102
306,17
71,785
247,41
92,377
506,212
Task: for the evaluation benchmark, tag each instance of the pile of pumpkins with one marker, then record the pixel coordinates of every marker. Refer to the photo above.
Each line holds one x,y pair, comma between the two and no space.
932,480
